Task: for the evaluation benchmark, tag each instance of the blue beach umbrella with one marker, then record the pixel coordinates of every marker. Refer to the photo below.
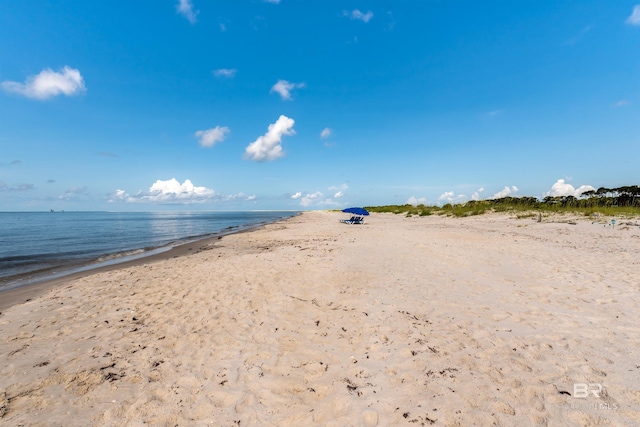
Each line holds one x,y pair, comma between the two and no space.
356,211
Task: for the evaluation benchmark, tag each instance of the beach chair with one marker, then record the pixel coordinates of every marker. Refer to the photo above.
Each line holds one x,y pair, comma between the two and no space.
358,220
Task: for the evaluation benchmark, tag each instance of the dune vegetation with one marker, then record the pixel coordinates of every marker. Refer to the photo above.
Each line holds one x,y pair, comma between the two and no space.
621,201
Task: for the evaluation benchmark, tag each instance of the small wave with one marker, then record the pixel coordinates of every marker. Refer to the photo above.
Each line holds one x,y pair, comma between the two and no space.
110,257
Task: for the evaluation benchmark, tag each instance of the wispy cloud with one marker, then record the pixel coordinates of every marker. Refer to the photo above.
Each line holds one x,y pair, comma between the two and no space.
19,187
74,193
506,191
451,197
24,187
621,103
309,199
415,201
340,190
271,1
284,88
225,72
269,145
575,39
392,22
185,8
476,195
207,138
326,133
634,19
562,188
68,81
356,14
171,191
317,198
259,23
12,163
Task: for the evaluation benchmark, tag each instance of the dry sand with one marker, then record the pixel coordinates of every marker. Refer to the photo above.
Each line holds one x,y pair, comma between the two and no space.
486,320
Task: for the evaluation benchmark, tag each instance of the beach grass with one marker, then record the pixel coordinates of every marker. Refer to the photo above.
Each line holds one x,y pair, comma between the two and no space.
522,207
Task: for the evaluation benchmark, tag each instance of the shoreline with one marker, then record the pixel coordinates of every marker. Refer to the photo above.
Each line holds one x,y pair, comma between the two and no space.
46,281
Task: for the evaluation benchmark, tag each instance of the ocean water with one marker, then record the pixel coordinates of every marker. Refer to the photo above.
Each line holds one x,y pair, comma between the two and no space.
38,245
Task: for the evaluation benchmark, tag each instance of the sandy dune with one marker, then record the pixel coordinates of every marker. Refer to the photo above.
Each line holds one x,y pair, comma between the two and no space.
487,320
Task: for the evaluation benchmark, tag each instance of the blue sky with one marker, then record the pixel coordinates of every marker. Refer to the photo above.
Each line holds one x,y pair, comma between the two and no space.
296,104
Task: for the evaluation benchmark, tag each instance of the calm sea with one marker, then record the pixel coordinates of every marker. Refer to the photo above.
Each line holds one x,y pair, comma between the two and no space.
37,245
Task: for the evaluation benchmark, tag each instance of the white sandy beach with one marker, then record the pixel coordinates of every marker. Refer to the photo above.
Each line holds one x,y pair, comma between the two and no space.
486,320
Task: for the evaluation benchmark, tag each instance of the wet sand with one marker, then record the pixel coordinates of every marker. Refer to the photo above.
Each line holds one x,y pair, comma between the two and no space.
487,320
26,293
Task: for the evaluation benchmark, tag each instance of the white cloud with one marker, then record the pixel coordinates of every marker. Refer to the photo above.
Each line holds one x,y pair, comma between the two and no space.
451,197
172,190
506,191
326,133
356,14
268,146
239,196
340,190
120,196
225,72
185,8
168,192
621,103
209,137
68,81
284,88
415,201
316,199
561,188
272,1
634,19
308,199
476,195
